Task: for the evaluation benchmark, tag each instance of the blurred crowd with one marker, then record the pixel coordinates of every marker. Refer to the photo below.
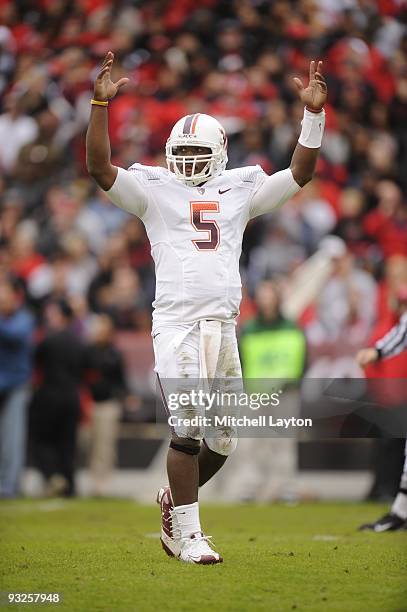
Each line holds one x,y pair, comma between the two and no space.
338,250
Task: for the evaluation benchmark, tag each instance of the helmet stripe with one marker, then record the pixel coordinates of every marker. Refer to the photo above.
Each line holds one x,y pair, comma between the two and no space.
194,123
187,124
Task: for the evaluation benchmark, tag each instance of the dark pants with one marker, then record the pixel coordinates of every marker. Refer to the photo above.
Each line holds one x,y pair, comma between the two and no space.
54,417
388,459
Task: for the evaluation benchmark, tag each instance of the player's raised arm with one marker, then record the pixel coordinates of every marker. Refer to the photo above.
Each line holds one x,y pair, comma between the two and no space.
97,137
306,152
281,186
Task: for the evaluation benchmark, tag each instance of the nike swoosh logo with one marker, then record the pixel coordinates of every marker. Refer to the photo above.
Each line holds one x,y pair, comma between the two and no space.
382,527
155,335
224,191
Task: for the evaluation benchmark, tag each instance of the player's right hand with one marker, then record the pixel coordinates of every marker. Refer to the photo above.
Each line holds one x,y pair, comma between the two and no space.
366,356
104,86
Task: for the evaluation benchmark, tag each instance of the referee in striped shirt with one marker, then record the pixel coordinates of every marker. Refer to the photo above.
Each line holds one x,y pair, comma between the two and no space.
393,343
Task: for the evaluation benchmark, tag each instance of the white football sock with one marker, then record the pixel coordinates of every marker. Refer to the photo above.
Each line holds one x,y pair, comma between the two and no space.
403,482
188,519
399,506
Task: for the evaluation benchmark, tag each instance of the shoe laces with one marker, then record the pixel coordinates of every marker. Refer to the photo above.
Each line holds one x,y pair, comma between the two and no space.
202,542
176,530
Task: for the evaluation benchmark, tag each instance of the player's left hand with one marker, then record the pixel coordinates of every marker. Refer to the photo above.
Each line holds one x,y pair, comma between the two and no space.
314,96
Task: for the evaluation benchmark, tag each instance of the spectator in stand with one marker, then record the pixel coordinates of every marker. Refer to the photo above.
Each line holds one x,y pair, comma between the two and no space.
346,303
111,218
11,213
277,255
114,255
25,257
139,251
124,300
16,331
106,380
81,263
41,158
55,406
270,345
350,225
387,224
273,354
16,130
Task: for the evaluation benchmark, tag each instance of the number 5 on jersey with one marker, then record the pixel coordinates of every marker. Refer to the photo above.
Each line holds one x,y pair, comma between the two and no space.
210,227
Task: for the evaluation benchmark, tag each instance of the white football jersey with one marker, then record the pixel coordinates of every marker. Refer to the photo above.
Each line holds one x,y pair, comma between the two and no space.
196,234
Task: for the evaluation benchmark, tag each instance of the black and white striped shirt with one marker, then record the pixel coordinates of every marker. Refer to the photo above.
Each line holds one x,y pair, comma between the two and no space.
395,341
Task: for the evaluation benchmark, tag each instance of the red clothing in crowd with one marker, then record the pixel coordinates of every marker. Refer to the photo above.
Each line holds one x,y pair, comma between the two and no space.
390,234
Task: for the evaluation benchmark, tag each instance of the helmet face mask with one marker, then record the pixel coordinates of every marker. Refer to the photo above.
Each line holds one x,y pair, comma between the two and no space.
196,131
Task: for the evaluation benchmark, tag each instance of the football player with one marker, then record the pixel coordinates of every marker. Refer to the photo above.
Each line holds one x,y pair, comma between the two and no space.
393,343
195,212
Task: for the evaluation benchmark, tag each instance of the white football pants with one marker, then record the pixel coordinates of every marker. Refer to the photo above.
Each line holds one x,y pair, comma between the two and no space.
203,355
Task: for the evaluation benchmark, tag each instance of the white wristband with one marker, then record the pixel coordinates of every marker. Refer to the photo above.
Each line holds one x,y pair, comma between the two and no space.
313,125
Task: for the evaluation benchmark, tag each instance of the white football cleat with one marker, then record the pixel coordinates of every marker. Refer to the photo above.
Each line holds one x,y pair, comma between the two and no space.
196,549
170,533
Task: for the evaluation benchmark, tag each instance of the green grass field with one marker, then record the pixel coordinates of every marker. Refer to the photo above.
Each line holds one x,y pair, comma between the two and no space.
105,555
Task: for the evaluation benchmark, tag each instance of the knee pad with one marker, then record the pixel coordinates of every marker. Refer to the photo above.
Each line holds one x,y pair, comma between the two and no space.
188,449
223,446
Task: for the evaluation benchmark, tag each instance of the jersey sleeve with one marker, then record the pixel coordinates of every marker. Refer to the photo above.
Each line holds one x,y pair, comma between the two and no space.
270,192
128,191
395,341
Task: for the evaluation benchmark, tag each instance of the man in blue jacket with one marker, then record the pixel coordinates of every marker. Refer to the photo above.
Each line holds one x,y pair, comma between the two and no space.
16,330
